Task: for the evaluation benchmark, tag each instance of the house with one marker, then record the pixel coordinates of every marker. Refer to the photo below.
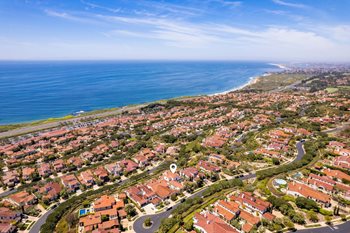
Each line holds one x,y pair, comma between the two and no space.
109,225
251,203
27,173
87,178
169,176
208,223
7,228
172,150
299,189
76,161
342,162
58,165
268,216
250,220
336,145
104,202
214,141
141,194
90,222
336,174
227,210
208,167
7,215
22,198
144,156
216,159
70,182
10,178
189,173
141,160
114,169
44,170
128,165
160,188
101,173
321,182
50,191
88,156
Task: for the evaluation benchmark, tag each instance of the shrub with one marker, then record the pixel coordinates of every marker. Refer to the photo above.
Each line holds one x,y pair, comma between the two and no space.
305,203
325,212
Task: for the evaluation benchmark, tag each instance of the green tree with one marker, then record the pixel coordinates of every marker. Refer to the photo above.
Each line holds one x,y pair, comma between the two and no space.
148,222
288,223
173,197
312,216
305,203
328,220
297,218
72,219
130,210
189,225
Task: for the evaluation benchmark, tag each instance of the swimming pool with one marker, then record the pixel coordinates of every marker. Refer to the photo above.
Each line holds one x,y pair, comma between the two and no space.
280,182
83,211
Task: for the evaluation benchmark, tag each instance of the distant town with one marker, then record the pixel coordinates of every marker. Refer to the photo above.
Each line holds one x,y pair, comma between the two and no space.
273,156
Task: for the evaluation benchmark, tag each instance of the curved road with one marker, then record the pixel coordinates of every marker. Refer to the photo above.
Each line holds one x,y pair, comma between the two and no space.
36,227
157,218
41,221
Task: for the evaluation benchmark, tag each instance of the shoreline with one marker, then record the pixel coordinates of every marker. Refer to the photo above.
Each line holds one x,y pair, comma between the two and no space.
252,80
280,66
91,113
38,125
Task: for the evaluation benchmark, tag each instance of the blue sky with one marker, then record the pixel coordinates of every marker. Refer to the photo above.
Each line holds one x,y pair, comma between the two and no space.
273,30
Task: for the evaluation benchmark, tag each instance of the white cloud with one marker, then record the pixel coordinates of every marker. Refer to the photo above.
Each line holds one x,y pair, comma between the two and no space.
173,38
295,17
93,5
229,3
71,17
289,4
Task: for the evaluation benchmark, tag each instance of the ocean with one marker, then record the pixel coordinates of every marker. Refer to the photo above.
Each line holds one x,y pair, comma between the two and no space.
43,89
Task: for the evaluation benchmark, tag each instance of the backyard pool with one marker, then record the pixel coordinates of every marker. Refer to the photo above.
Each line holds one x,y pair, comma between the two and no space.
83,211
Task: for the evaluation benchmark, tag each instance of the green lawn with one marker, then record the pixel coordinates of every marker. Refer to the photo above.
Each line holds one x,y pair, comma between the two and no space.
332,89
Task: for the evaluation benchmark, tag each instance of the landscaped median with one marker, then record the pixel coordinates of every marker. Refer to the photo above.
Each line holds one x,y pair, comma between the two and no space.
192,204
311,149
75,201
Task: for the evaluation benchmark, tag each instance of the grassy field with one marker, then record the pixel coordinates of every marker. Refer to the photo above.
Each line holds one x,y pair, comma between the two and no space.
92,114
4,128
275,81
332,89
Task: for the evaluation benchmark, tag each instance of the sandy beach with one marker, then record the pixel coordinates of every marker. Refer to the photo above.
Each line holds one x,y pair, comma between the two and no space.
252,81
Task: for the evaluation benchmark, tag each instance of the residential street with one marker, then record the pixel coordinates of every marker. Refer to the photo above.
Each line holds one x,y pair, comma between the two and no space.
157,218
36,227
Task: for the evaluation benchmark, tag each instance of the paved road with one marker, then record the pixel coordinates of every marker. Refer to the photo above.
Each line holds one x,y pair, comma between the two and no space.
157,218
34,128
342,228
44,126
41,221
4,194
339,128
36,227
301,152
